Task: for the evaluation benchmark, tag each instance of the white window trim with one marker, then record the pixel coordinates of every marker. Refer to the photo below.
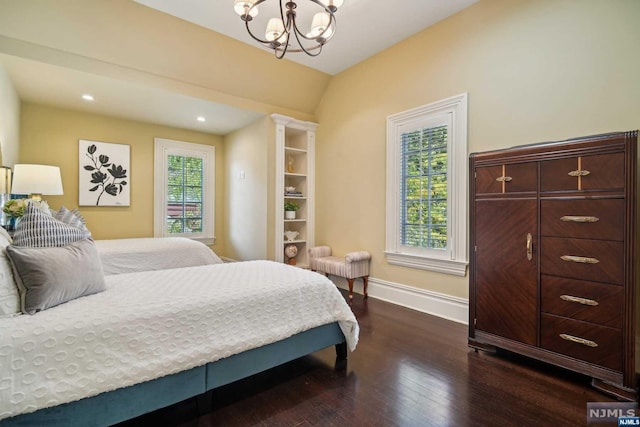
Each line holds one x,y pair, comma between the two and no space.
454,260
164,147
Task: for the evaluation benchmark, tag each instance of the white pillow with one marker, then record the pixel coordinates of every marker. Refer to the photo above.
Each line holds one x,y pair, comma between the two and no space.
9,297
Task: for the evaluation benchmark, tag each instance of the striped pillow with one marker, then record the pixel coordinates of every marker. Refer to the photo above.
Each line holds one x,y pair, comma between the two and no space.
38,229
72,217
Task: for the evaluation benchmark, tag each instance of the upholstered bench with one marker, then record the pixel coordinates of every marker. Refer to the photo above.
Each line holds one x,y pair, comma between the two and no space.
352,266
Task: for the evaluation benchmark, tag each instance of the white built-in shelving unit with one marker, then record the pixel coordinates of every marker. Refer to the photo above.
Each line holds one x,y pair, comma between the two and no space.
295,167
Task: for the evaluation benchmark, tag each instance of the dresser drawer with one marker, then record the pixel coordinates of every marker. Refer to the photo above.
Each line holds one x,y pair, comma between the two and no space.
508,178
593,260
581,300
599,172
601,219
592,343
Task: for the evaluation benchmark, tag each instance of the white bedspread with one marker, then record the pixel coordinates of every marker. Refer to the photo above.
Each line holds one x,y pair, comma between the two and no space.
151,324
148,253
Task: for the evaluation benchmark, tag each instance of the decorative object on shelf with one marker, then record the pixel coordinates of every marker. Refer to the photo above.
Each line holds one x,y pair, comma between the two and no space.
280,35
291,192
290,168
36,180
104,171
5,192
291,251
291,235
290,209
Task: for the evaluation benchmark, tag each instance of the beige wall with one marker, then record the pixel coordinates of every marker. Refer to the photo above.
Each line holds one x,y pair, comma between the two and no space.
245,210
9,121
534,71
50,136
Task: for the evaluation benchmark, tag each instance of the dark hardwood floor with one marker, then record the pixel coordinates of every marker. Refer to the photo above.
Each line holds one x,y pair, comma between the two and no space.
410,369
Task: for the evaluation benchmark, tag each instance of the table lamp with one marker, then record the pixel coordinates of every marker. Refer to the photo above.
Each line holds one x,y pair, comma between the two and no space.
36,180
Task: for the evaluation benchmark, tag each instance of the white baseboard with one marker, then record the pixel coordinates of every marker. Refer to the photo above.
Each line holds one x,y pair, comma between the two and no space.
437,304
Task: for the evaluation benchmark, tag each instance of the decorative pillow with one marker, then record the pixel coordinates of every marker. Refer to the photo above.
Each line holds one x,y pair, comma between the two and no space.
47,277
71,217
9,297
38,229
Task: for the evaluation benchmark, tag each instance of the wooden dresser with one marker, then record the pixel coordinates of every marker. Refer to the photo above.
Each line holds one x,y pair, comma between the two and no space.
553,247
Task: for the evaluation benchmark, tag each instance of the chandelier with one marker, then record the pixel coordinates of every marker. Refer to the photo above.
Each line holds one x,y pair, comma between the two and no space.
283,34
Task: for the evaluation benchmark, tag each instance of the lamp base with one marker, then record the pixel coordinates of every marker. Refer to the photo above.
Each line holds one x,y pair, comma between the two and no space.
4,219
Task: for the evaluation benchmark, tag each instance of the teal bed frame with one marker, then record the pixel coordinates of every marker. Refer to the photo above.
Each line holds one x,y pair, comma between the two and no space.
122,404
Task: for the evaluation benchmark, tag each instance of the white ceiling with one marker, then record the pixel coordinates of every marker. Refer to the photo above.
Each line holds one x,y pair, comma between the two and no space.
365,27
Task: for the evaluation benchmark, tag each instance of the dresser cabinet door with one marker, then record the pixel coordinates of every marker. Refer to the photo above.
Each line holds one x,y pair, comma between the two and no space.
511,178
506,269
598,172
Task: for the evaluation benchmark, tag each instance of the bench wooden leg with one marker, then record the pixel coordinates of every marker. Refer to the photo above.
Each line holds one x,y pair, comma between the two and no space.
365,281
350,281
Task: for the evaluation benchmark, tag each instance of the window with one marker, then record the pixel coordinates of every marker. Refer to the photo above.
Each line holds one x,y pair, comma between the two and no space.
184,190
427,187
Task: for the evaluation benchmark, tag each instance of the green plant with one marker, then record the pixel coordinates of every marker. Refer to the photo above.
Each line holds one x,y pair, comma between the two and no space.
291,206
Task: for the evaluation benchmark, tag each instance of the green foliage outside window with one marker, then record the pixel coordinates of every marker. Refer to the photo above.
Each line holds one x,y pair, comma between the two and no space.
424,188
184,194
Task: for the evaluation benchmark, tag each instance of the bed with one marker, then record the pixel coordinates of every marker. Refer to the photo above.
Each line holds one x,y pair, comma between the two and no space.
145,254
153,338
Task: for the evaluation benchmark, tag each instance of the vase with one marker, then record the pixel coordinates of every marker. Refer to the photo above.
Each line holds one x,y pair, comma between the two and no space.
289,214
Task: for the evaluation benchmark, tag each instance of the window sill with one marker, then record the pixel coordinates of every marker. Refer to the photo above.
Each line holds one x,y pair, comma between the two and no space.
446,266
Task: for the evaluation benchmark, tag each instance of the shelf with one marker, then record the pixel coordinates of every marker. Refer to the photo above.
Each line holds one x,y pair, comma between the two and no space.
296,220
295,150
299,175
287,242
295,197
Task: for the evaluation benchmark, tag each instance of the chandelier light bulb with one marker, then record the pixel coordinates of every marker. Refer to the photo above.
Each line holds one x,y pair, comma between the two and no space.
333,5
319,24
275,30
243,8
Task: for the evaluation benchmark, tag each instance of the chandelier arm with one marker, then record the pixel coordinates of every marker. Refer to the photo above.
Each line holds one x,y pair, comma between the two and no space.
305,50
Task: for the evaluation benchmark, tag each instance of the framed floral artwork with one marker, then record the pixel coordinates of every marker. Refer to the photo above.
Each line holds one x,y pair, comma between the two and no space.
104,175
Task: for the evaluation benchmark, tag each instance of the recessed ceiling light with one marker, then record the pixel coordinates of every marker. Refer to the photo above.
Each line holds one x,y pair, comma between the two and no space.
87,97
201,119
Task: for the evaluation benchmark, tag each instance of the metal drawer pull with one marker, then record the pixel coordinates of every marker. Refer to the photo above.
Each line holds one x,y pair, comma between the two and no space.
529,247
583,301
579,340
573,218
504,179
579,173
580,259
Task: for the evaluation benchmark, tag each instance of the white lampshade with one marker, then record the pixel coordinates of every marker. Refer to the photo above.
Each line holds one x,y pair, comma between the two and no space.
36,180
275,30
242,7
320,22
